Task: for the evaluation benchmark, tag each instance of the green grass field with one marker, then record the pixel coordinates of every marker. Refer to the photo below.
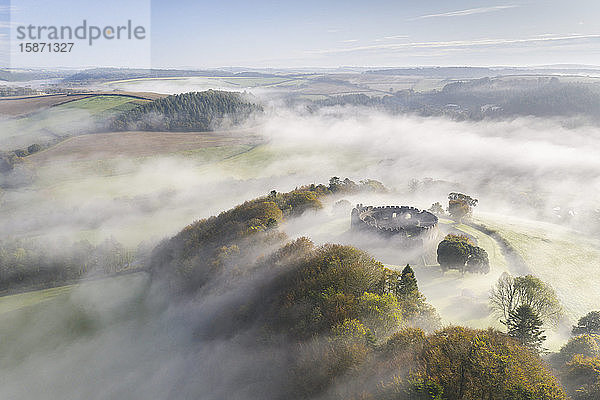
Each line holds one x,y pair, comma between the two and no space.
269,160
20,301
61,121
464,299
97,104
37,324
566,259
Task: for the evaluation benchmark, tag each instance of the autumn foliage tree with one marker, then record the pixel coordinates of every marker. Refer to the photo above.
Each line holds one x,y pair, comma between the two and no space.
460,205
510,293
588,324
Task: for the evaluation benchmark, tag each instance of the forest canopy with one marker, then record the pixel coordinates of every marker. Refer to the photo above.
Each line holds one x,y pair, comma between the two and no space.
193,111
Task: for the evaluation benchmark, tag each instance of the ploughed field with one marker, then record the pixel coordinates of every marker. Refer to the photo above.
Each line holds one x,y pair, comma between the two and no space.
137,144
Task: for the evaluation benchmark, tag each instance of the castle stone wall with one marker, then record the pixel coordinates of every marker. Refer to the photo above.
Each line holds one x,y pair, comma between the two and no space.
409,224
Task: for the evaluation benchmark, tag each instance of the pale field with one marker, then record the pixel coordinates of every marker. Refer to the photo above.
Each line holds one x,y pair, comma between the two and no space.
566,259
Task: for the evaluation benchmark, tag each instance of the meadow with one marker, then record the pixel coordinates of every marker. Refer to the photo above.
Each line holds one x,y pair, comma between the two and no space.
54,118
566,259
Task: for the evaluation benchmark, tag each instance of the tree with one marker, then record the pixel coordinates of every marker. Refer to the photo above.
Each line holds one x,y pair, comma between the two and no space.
582,377
407,286
21,153
485,364
453,252
413,185
460,205
525,325
437,209
503,297
459,252
510,293
588,324
334,184
585,345
34,148
382,314
478,260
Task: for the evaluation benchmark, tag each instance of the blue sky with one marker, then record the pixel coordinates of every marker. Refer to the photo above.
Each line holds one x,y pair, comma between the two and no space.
204,34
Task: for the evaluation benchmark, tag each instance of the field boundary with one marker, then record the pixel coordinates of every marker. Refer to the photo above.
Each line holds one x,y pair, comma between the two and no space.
516,263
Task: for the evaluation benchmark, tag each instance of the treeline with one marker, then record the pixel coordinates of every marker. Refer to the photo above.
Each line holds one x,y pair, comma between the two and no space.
32,263
194,111
487,98
113,74
6,91
204,248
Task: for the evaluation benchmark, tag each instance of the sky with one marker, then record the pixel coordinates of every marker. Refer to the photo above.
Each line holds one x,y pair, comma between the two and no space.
278,34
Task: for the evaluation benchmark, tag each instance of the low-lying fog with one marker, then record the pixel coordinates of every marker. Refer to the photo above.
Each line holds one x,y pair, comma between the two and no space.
525,167
522,168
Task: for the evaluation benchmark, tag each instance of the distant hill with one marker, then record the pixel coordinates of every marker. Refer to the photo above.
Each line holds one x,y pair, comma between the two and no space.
477,99
194,111
114,74
441,72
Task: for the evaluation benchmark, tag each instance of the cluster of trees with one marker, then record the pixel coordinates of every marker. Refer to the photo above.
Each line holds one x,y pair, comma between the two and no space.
351,328
6,91
33,148
229,240
334,290
204,247
460,205
578,362
194,111
29,263
437,209
375,330
525,304
459,252
114,74
486,98
12,170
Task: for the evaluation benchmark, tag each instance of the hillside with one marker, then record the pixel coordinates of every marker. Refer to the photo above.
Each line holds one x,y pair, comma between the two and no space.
321,321
348,326
505,97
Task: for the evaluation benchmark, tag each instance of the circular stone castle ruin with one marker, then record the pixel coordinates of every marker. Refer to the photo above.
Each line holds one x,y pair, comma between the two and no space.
410,226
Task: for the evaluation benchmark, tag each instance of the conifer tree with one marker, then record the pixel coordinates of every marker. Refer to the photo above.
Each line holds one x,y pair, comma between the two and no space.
407,286
525,326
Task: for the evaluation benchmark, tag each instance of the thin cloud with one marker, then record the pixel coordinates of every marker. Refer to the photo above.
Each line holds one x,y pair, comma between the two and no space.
349,41
388,38
462,13
458,43
396,37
